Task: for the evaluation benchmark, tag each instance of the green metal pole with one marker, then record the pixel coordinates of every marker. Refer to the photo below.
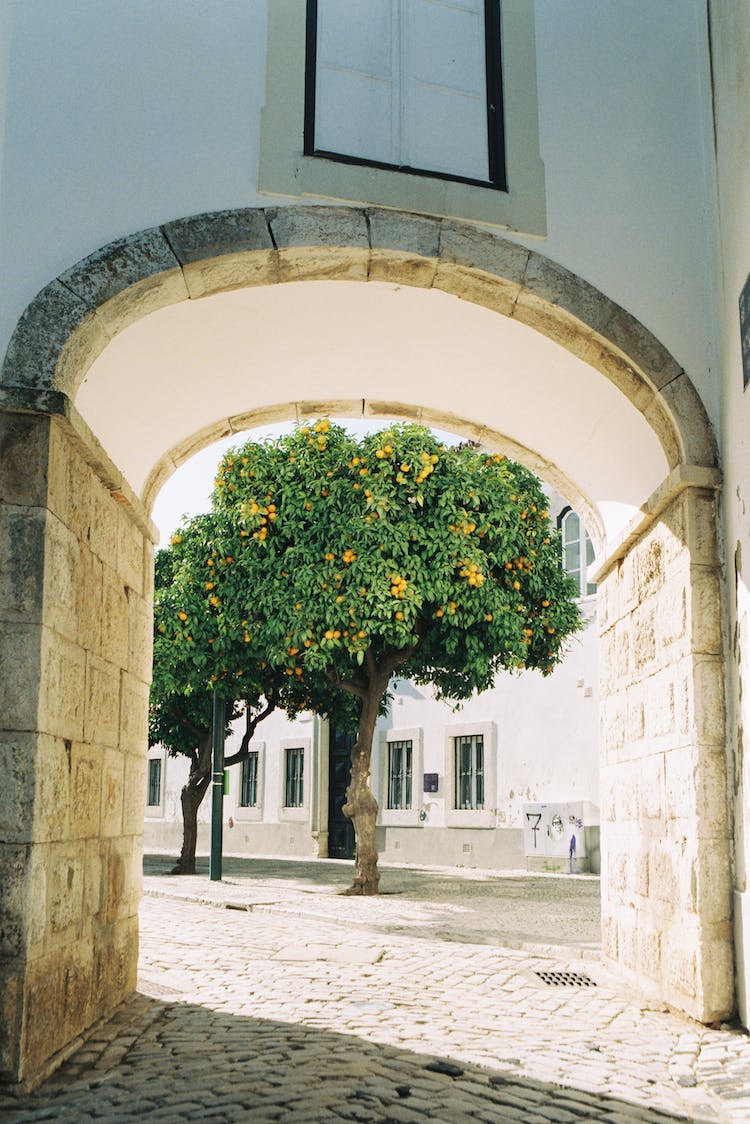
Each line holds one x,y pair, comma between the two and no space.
217,787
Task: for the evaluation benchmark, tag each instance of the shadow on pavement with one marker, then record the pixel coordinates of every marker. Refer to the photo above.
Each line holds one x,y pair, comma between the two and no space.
187,1062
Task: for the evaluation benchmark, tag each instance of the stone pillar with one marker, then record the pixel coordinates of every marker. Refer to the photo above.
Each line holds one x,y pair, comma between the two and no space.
666,813
75,654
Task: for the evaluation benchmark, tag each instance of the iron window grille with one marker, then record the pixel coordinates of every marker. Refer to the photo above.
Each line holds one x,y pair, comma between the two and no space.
399,774
294,778
249,781
154,782
468,771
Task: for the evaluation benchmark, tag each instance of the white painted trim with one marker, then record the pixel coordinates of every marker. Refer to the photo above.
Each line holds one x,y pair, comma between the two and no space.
156,811
296,815
284,170
244,814
458,817
401,817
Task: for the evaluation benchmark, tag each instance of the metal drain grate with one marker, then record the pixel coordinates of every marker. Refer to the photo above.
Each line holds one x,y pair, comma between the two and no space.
565,979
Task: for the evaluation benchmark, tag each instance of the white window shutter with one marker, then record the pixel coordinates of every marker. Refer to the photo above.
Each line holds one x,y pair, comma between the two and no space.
444,87
404,83
356,101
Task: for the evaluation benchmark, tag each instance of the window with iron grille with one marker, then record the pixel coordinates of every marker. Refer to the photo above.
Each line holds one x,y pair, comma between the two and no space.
468,772
399,774
154,782
294,778
249,781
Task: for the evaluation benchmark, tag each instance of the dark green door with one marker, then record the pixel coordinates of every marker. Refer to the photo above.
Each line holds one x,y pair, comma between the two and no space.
340,827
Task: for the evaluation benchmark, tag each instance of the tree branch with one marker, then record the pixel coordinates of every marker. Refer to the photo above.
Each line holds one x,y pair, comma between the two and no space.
252,721
186,724
395,659
372,663
352,688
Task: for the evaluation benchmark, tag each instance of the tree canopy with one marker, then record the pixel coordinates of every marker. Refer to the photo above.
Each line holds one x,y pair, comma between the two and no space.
201,644
353,559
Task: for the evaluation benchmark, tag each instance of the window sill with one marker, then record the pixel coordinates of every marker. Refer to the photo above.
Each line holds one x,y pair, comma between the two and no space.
294,815
248,815
476,819
399,817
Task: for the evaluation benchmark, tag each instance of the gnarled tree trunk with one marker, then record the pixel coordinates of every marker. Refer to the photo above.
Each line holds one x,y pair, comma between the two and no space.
361,806
199,780
191,797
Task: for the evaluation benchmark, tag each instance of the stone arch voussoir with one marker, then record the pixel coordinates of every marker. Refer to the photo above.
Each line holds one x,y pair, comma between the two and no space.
70,322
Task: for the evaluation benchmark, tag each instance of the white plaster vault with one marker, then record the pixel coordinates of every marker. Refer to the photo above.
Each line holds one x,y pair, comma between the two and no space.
75,584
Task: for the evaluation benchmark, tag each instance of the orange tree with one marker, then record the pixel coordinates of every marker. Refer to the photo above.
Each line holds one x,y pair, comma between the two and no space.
390,554
201,645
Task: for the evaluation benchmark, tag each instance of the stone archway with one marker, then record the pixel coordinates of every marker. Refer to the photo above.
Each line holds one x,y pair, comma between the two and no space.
75,613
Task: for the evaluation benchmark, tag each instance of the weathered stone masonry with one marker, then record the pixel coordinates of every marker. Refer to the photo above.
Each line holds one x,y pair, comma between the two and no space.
75,651
666,825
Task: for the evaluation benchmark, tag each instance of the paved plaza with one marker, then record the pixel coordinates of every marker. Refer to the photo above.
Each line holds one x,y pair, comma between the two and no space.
454,995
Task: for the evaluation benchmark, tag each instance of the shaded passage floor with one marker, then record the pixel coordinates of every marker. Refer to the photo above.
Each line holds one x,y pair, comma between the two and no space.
298,1004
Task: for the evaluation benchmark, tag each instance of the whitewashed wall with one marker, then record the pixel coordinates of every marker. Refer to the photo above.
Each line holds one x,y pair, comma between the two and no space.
119,116
546,750
730,33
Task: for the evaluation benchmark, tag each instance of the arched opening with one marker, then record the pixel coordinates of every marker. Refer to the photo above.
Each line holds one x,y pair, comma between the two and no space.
79,634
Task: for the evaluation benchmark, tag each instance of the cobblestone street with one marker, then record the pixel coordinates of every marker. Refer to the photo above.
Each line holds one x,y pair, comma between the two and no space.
269,996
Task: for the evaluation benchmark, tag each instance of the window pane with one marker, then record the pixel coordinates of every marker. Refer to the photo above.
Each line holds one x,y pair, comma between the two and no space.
463,773
403,83
444,86
590,556
572,558
356,103
294,791
154,782
479,767
469,772
399,774
249,782
571,527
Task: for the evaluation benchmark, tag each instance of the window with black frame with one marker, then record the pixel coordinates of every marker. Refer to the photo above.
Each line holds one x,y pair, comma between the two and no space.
294,778
468,772
411,85
399,774
249,781
153,798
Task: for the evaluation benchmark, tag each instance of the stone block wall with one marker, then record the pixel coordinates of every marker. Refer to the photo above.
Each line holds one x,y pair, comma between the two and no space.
75,648
666,811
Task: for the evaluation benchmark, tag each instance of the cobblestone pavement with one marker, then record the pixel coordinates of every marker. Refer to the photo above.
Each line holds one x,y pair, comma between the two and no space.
269,996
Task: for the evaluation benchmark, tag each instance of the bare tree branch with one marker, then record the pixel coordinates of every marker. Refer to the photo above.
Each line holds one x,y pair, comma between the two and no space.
252,721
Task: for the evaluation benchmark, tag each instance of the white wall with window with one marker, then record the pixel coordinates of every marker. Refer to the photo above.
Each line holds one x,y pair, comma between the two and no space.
470,769
155,784
247,784
400,776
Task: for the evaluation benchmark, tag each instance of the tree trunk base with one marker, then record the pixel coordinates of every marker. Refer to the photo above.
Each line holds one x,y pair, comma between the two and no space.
180,869
362,889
